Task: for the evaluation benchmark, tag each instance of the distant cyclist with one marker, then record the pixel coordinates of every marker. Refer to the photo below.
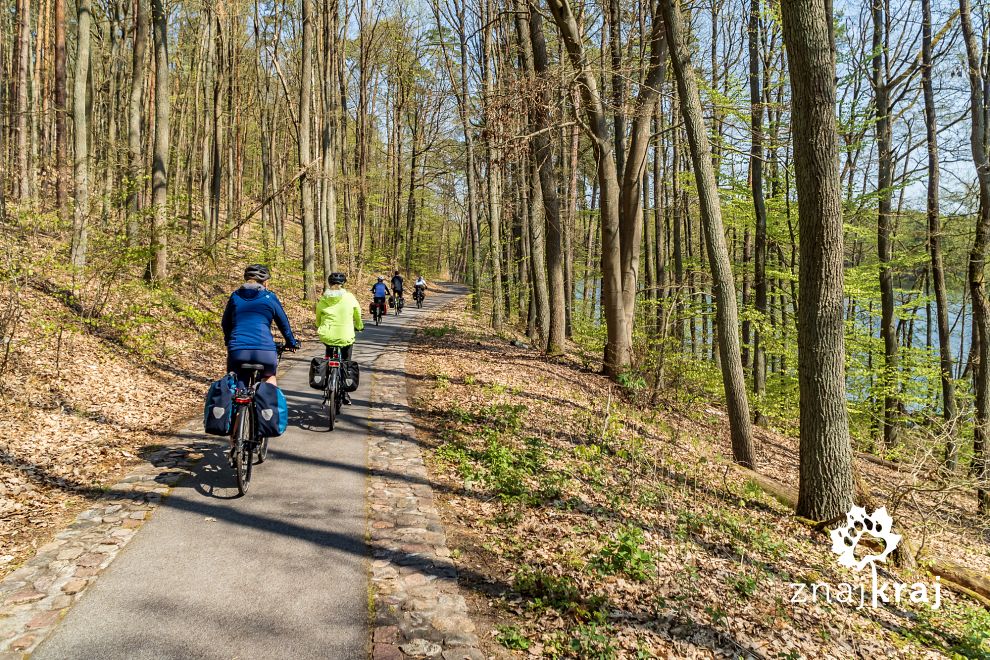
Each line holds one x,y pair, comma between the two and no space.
380,291
247,324
420,285
338,317
397,284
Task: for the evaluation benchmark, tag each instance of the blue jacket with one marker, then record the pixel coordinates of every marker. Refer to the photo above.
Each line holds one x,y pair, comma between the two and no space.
380,290
247,320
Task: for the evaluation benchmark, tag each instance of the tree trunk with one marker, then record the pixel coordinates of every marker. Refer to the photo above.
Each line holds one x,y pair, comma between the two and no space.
885,245
618,346
935,245
727,317
23,89
977,257
306,180
533,47
159,170
759,208
135,116
495,168
826,480
81,131
61,135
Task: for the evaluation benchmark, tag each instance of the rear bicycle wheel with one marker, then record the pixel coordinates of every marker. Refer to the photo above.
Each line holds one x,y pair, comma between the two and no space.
262,453
242,450
331,399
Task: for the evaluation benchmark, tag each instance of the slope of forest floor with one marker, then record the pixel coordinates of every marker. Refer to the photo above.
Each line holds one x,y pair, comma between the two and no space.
585,526
95,373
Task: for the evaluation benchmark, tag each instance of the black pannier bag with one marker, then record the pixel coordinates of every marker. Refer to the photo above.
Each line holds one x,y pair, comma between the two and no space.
219,406
318,372
352,375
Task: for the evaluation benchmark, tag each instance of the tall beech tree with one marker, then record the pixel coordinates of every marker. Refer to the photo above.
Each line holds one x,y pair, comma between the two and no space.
825,489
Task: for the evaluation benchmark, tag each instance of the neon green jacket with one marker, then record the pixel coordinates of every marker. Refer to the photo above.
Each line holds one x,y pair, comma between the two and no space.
337,317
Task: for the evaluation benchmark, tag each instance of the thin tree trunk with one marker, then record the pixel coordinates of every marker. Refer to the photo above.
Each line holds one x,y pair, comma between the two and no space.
61,135
885,245
159,170
977,258
23,89
81,131
727,317
136,169
759,208
949,411
305,181
535,62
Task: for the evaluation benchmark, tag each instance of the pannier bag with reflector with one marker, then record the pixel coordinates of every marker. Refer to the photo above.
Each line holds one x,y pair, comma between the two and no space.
271,411
318,372
219,408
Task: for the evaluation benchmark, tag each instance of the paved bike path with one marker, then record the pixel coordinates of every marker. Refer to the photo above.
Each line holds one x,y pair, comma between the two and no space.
279,573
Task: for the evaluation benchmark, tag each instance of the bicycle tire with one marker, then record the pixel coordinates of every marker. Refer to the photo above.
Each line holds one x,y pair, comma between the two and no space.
332,398
242,451
262,451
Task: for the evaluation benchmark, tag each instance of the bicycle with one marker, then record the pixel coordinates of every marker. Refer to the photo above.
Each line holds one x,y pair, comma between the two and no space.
245,445
419,295
378,313
333,393
399,303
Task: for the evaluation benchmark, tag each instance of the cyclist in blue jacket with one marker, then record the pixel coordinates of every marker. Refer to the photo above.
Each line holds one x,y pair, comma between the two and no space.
247,324
380,292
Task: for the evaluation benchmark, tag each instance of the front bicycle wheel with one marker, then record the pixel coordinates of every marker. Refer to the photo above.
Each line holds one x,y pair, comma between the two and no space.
242,449
262,451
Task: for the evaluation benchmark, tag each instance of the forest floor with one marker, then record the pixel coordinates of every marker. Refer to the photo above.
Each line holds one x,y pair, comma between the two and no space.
585,525
97,373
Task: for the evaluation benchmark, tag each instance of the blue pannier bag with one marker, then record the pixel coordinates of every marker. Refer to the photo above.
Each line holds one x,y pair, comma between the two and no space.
271,411
219,408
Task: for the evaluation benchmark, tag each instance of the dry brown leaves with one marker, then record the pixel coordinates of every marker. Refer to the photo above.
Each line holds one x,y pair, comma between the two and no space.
724,554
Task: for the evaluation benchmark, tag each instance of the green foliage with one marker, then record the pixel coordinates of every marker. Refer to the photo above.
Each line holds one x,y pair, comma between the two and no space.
593,640
511,637
624,554
437,332
544,590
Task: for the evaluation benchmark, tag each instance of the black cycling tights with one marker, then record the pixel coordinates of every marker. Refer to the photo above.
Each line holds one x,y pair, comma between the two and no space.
345,351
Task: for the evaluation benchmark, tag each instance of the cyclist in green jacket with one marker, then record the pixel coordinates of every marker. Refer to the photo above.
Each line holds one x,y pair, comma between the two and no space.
338,316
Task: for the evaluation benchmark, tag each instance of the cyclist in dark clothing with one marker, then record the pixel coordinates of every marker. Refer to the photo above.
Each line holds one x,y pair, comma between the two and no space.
397,284
247,322
380,292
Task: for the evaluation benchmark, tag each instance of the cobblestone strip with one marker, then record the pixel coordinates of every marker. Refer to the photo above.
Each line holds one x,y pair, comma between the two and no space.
418,609
35,597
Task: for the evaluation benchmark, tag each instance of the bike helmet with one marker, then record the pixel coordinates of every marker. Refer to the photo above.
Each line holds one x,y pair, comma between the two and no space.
337,278
257,272
381,278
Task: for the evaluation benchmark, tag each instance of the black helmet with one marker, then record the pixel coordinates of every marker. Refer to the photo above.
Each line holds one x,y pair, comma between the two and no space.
336,278
257,272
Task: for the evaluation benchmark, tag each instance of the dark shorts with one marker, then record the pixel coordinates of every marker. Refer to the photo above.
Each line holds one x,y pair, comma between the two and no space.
345,351
236,358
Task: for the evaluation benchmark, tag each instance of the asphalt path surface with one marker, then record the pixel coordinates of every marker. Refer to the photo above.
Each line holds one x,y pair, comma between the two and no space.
279,573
